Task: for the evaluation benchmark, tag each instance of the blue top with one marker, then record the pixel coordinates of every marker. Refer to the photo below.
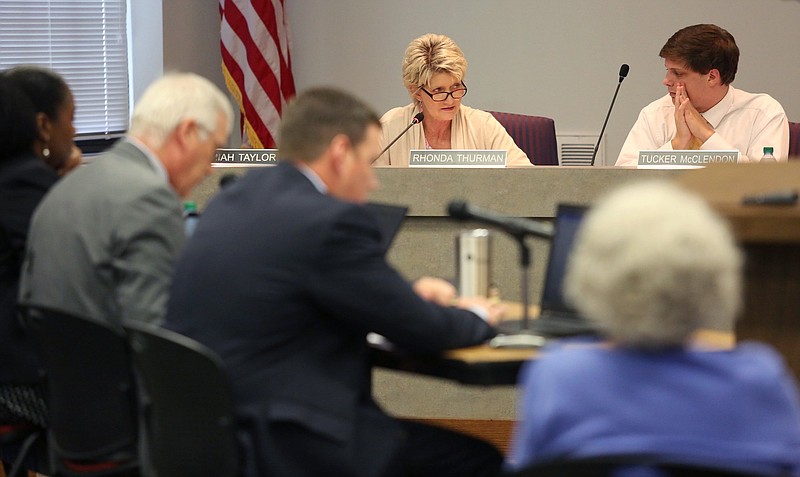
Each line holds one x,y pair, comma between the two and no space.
736,409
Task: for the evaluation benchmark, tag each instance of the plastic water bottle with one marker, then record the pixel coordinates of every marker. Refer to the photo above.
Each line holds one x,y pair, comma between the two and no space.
190,217
768,156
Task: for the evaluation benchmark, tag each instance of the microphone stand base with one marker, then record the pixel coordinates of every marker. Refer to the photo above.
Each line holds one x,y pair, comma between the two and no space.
520,339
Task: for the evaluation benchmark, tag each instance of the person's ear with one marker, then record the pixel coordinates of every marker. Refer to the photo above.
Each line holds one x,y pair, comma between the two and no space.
183,131
338,149
43,128
414,92
714,77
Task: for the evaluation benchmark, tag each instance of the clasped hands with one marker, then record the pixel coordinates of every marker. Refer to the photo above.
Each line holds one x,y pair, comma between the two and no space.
444,293
691,128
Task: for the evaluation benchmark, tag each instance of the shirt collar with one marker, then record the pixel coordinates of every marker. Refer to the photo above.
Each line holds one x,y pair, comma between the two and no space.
154,161
718,111
313,177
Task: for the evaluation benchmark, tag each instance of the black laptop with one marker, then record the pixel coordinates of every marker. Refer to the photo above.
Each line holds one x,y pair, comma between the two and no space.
556,317
390,218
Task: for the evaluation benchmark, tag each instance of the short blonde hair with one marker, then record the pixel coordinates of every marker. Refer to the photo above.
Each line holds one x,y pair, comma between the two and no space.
651,264
431,54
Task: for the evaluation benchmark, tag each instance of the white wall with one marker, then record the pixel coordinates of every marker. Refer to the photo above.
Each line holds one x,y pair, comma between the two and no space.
145,37
191,38
556,58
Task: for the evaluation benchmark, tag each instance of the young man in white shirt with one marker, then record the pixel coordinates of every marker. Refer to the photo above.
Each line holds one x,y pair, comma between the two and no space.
702,110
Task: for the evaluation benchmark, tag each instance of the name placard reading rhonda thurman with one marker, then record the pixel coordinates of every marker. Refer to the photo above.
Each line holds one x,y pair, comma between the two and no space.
457,158
245,157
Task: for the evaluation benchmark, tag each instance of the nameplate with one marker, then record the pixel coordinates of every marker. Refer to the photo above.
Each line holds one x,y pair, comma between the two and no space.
457,158
245,157
685,159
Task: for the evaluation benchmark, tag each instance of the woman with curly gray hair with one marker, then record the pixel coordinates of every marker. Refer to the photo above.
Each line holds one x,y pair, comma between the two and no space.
653,265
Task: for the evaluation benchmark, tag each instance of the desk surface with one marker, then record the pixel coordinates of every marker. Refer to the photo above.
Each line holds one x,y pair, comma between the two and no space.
480,365
712,339
488,366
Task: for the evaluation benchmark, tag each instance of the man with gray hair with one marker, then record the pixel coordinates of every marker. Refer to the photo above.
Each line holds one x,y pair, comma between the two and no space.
654,268
103,241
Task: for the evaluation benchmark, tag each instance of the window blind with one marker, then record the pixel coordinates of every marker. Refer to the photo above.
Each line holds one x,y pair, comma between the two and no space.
83,40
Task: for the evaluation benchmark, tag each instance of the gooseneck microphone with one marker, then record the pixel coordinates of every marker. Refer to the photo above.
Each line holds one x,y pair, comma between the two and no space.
458,209
623,72
417,119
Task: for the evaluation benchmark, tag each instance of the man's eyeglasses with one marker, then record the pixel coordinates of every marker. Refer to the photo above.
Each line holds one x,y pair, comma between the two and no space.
442,95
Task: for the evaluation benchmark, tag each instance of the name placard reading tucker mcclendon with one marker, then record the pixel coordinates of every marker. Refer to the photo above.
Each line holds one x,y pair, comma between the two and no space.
245,157
685,159
457,158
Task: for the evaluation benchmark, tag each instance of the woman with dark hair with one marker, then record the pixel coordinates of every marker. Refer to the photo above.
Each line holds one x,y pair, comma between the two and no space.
55,110
36,145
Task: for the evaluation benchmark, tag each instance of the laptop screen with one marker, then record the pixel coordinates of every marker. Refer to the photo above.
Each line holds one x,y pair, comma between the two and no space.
390,218
568,220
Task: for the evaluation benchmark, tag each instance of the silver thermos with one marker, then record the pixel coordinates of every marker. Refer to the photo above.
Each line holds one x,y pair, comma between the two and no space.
473,262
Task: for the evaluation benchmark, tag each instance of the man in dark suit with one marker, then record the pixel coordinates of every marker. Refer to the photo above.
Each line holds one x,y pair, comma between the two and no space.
103,242
284,278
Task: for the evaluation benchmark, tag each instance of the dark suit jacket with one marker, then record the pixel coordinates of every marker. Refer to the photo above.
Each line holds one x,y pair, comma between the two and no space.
284,283
23,182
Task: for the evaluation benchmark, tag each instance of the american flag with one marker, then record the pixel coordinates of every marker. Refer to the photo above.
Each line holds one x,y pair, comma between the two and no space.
257,65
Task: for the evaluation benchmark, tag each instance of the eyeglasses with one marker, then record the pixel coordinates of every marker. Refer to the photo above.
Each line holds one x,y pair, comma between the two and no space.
442,95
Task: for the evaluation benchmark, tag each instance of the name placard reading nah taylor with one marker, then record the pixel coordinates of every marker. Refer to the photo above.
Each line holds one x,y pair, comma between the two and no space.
457,158
685,159
245,157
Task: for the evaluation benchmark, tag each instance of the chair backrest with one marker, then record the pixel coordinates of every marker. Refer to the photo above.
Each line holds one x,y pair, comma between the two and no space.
535,135
188,409
794,141
20,442
91,393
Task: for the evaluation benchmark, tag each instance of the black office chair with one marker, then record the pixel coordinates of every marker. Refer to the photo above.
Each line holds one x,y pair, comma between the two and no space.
186,403
23,437
91,395
609,466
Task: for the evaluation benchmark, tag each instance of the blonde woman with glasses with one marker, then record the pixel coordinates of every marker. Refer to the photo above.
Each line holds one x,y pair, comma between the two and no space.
434,68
